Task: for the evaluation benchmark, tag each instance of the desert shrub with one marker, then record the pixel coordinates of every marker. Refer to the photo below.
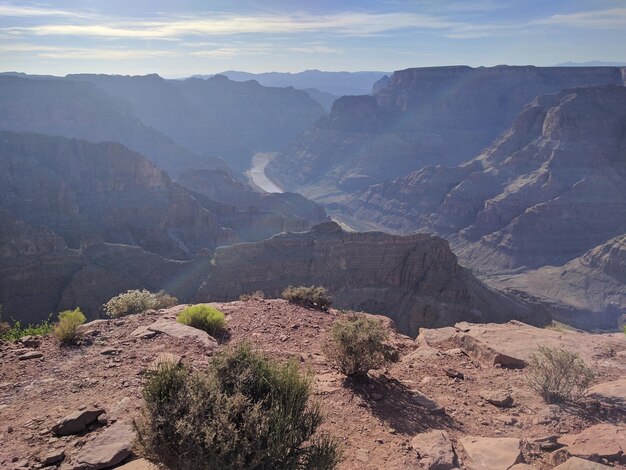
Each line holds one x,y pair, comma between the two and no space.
244,412
359,343
137,301
312,297
256,295
204,317
66,329
558,375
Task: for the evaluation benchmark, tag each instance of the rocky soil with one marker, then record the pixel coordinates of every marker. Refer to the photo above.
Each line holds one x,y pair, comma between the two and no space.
452,401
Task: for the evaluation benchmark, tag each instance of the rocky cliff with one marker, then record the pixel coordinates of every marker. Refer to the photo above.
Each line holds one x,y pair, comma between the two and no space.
415,280
82,110
423,116
551,188
216,116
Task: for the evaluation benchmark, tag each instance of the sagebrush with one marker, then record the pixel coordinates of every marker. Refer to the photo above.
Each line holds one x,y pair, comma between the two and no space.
558,375
256,295
204,317
137,301
66,329
359,343
244,412
312,297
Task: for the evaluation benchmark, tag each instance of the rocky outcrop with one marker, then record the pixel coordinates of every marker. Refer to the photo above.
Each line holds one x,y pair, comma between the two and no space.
216,116
438,115
414,279
558,170
78,109
593,284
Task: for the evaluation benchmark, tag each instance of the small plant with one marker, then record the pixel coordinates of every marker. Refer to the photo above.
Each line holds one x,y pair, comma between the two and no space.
256,295
15,331
137,301
66,329
558,375
245,411
312,297
204,317
359,343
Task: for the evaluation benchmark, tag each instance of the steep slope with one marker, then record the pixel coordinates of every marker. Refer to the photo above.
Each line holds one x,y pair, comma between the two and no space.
215,116
551,188
82,190
593,283
415,280
438,115
77,109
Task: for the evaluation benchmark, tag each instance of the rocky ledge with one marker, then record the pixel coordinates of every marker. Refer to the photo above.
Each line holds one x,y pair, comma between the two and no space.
443,405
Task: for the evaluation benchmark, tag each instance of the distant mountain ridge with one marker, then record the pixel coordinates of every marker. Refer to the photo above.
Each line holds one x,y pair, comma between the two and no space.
335,83
424,116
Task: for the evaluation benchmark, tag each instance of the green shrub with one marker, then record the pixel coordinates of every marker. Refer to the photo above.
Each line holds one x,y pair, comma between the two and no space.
359,343
558,375
66,329
137,301
15,331
256,295
204,317
312,297
244,412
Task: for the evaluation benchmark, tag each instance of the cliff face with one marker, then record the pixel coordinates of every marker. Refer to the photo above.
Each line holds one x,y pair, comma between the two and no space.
215,116
82,110
83,190
439,115
551,188
414,279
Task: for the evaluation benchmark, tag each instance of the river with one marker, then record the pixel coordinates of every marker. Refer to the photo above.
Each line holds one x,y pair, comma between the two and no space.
257,175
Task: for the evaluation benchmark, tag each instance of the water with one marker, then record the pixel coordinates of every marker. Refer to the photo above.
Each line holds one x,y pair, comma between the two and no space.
257,172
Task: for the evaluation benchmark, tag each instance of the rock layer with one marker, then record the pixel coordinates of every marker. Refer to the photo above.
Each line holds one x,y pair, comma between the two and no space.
414,279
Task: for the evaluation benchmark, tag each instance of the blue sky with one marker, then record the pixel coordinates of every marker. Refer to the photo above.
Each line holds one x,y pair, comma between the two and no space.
179,38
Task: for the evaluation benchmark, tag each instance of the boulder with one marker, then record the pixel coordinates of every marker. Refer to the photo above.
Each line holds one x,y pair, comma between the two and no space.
76,422
426,402
605,441
163,359
30,355
576,463
106,450
611,393
492,453
499,398
434,450
178,330
139,464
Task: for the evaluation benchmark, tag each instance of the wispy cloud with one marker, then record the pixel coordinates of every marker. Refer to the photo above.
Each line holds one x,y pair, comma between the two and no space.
21,11
609,18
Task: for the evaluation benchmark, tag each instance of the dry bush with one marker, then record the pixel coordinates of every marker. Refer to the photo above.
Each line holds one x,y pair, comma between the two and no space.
204,317
66,329
137,301
256,295
359,343
244,412
558,375
311,297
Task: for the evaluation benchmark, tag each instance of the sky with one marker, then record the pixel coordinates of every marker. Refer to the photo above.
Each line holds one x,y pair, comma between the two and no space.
186,37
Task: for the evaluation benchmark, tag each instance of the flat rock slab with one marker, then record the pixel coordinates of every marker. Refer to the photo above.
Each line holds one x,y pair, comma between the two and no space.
491,453
76,422
30,355
576,463
611,393
140,464
497,398
178,330
434,450
599,441
511,344
433,336
109,448
426,402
